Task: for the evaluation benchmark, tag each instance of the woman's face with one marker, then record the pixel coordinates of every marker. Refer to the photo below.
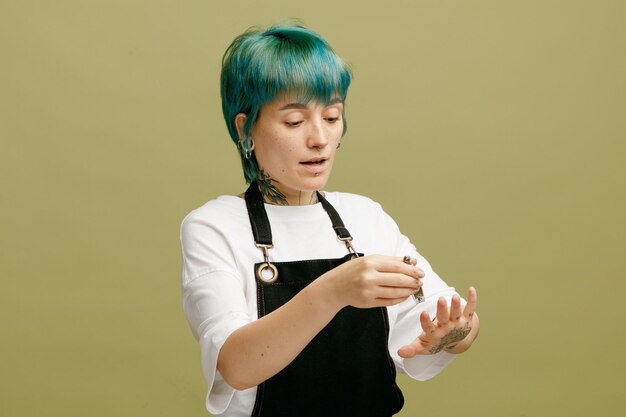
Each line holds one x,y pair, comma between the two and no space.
295,143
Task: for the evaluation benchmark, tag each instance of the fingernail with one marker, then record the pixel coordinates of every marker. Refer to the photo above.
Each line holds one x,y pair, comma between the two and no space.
421,273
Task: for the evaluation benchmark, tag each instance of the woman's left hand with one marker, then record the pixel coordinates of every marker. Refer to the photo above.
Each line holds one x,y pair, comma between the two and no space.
453,330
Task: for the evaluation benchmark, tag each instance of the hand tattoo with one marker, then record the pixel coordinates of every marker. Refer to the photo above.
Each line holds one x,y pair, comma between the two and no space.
269,191
454,336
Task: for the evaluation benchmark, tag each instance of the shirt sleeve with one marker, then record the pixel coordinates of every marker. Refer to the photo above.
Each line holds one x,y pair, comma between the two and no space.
213,300
406,327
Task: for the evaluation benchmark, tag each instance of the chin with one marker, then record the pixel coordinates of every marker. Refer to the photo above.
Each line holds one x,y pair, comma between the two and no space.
314,184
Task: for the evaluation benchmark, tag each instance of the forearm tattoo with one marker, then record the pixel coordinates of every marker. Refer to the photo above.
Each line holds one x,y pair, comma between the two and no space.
452,337
269,191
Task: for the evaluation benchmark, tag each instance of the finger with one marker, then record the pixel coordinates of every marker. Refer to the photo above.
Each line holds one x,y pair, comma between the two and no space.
395,264
411,350
398,280
472,299
442,311
394,292
455,308
402,268
407,351
428,327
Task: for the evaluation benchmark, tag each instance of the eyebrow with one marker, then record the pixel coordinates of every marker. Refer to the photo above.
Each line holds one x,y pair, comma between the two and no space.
304,106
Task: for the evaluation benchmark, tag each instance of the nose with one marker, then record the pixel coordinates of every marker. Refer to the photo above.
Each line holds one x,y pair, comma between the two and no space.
317,135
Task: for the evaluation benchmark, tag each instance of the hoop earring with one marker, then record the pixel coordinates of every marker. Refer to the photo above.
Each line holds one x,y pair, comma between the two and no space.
246,147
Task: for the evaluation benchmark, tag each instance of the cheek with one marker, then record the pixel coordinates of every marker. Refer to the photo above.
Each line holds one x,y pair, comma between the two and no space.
339,130
278,156
335,132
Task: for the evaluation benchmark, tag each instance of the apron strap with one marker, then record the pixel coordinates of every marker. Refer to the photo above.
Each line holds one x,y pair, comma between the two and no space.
258,216
340,229
261,224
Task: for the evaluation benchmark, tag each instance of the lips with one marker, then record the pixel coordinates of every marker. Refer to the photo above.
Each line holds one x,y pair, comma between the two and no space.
315,165
314,161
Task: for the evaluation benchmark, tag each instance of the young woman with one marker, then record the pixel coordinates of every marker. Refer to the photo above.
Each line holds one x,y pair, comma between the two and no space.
306,303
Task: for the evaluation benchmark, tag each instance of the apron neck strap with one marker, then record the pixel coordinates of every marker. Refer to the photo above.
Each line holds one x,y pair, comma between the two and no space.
258,216
340,229
261,224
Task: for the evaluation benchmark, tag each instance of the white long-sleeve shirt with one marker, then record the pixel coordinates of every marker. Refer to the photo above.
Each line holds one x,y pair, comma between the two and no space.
219,287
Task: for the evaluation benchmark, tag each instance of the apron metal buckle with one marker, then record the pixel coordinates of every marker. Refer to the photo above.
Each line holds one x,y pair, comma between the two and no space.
348,242
260,272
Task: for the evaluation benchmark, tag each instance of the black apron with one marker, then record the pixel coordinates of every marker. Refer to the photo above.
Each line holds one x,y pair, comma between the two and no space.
346,370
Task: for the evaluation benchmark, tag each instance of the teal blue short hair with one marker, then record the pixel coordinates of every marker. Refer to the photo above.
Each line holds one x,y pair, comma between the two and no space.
259,65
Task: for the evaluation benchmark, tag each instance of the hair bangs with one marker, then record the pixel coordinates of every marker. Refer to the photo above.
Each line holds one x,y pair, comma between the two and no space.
309,72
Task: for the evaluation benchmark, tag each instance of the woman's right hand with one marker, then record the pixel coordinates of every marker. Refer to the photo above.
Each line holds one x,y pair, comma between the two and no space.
372,281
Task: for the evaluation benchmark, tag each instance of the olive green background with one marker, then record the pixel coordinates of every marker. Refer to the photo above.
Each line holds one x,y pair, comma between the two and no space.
492,131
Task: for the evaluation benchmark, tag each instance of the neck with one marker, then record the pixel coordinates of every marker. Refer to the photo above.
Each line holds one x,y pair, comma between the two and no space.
280,197
273,195
304,198
298,198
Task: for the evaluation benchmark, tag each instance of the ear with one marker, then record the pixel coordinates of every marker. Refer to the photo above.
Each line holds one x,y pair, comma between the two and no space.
240,121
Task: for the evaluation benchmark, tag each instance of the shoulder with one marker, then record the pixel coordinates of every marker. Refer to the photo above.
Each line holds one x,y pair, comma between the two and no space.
350,200
373,230
355,205
348,197
217,213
